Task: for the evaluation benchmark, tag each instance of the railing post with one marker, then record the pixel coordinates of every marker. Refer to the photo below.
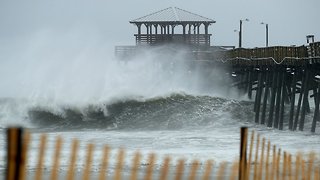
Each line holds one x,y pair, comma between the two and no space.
243,153
14,149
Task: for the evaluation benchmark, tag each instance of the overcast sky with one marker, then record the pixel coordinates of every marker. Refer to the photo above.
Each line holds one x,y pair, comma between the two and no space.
106,21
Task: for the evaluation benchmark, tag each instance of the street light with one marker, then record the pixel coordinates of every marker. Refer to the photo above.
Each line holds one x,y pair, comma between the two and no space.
240,32
237,31
267,33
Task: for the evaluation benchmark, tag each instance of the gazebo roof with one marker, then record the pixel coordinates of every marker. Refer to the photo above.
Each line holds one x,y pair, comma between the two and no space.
173,15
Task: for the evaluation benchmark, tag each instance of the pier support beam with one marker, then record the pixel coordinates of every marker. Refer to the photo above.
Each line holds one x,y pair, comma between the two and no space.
258,96
278,100
295,125
250,84
273,97
292,100
265,96
278,79
283,98
305,100
316,109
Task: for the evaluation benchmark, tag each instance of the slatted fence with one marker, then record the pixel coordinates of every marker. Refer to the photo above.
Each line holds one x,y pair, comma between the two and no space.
259,159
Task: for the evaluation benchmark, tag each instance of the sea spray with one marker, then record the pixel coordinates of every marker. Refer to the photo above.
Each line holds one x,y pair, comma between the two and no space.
52,76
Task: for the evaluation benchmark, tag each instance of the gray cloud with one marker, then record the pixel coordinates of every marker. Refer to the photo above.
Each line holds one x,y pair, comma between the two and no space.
107,20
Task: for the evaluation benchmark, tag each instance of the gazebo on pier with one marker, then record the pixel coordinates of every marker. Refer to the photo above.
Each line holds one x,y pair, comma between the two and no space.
161,28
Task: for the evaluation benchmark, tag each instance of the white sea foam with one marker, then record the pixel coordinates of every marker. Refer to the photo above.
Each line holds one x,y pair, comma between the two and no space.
55,71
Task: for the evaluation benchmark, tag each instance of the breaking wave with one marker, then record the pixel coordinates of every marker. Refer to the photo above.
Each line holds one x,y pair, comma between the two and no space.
175,111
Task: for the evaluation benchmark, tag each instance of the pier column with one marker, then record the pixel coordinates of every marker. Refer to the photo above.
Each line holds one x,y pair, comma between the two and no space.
249,83
316,109
147,26
198,34
258,96
278,99
283,97
163,32
184,32
305,99
156,28
265,96
198,28
206,26
150,34
150,28
138,38
292,99
296,119
172,29
273,97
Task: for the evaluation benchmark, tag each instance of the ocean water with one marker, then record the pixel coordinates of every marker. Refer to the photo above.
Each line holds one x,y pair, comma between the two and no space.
155,103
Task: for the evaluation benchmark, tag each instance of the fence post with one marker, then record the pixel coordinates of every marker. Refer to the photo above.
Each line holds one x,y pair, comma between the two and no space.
243,153
14,149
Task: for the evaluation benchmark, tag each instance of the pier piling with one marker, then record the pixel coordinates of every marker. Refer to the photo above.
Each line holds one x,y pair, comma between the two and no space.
278,79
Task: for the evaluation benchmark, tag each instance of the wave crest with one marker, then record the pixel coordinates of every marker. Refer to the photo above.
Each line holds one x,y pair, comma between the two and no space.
172,112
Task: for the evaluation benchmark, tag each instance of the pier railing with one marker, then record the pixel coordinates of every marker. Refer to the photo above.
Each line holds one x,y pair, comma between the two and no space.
196,39
258,159
124,52
278,53
315,49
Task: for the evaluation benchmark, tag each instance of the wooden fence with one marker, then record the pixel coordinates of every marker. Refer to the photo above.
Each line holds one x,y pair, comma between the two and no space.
259,159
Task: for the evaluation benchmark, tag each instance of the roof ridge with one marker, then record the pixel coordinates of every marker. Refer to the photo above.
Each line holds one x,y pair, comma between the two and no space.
194,14
151,14
175,13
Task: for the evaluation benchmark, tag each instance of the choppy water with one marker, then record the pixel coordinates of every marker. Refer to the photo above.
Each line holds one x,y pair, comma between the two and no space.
179,125
169,107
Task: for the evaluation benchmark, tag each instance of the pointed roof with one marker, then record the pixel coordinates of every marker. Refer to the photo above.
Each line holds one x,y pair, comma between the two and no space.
174,15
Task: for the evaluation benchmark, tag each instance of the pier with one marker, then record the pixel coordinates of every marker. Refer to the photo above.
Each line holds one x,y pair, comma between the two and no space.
281,80
168,26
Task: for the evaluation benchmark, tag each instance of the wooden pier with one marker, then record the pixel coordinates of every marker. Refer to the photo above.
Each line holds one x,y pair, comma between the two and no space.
281,80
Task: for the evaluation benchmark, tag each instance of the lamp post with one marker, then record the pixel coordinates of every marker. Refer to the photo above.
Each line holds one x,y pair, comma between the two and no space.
240,32
267,33
237,31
